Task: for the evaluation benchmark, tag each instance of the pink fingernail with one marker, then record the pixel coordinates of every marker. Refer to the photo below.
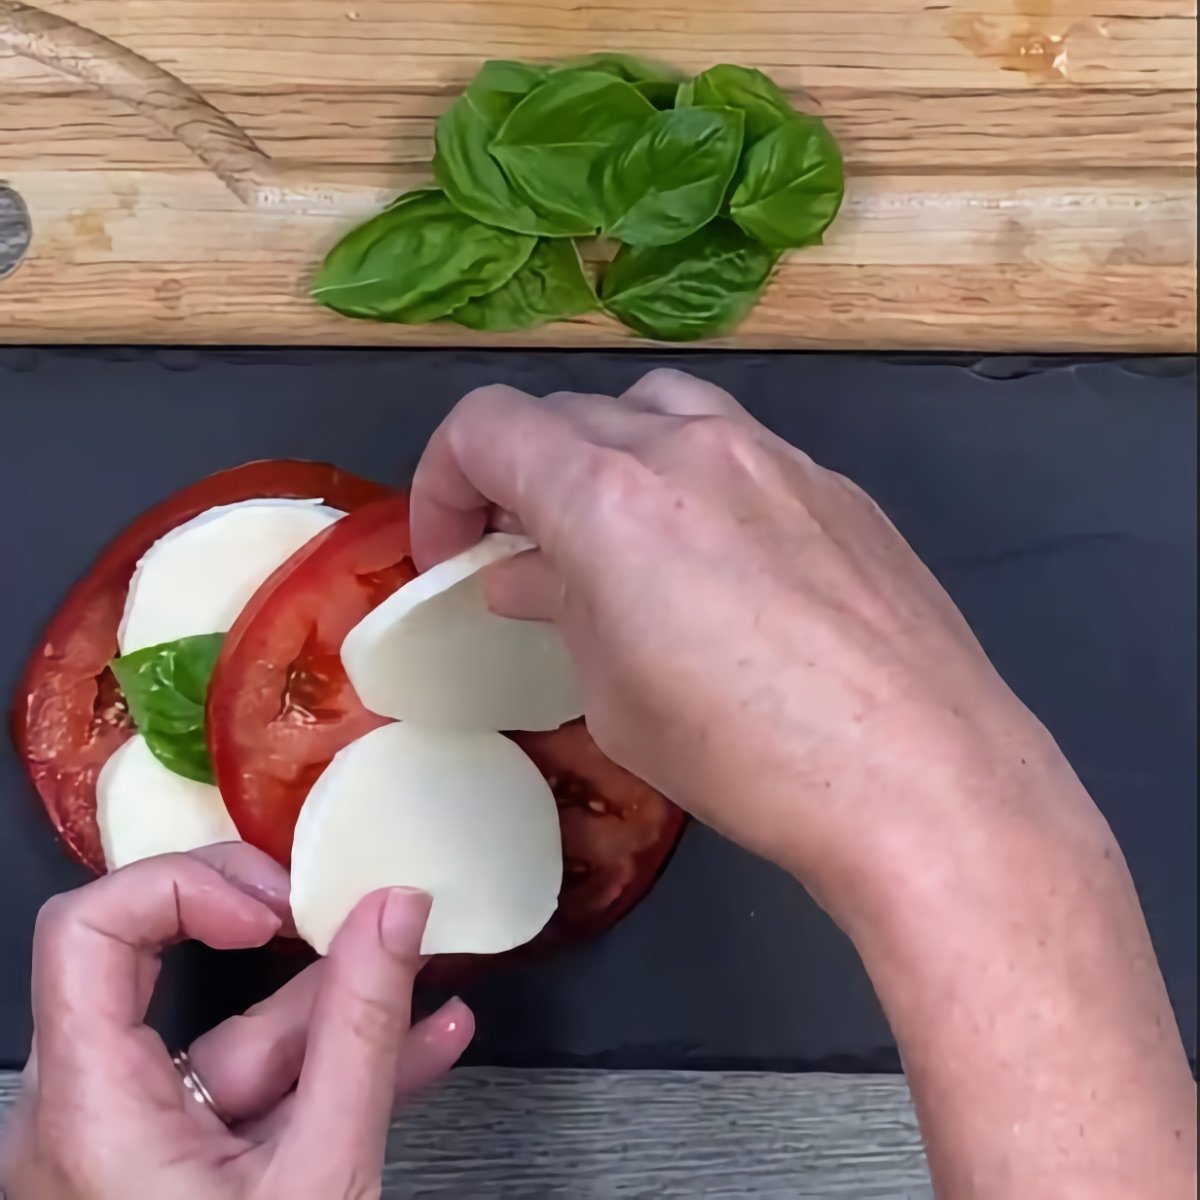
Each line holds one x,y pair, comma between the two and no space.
402,921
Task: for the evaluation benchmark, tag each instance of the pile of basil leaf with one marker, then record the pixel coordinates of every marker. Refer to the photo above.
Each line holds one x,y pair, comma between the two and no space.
703,183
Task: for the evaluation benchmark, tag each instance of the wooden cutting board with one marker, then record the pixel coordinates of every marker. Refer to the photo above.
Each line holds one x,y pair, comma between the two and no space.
1021,172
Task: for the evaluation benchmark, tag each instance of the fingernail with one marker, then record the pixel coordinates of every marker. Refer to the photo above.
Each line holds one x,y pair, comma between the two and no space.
402,922
447,1019
452,1013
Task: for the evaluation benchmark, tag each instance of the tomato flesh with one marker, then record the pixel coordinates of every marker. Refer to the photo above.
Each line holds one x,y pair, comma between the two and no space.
68,715
279,704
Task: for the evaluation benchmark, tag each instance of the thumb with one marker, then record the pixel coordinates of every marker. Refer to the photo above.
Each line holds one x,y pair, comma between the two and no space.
361,1018
526,587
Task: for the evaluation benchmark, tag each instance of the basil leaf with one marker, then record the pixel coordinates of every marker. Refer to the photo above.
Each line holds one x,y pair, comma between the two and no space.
418,261
553,141
660,92
551,286
696,288
762,101
165,687
625,66
790,184
463,164
671,176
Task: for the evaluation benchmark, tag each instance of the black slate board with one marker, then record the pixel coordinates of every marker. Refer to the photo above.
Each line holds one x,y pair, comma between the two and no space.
1055,501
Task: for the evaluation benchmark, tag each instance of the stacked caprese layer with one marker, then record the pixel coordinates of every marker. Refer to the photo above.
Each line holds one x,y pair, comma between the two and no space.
257,657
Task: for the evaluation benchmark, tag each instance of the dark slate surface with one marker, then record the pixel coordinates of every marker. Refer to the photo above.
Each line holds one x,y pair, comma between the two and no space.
1055,501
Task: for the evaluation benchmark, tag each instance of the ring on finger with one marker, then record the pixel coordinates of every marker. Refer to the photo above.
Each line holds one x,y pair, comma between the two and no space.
195,1086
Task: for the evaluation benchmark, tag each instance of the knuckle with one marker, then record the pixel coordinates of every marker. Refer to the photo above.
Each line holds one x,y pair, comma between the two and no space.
713,437
492,396
53,918
614,484
664,377
375,1022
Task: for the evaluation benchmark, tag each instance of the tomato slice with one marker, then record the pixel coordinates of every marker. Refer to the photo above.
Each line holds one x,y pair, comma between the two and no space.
280,707
617,835
68,714
279,704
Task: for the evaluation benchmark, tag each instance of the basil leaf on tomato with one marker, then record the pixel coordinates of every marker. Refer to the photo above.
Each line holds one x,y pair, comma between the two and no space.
463,164
699,287
418,261
790,184
552,143
670,177
551,286
165,688
764,104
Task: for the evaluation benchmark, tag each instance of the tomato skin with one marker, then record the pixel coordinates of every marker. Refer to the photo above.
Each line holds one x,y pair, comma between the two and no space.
68,716
279,704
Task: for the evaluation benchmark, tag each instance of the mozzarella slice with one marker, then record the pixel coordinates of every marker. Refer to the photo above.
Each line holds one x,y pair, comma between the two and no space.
466,817
143,809
433,652
198,577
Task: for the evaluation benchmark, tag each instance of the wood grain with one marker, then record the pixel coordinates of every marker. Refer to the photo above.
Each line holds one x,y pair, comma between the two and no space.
592,1134
1021,171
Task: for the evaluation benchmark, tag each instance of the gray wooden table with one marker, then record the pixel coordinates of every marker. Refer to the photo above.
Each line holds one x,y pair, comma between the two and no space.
590,1134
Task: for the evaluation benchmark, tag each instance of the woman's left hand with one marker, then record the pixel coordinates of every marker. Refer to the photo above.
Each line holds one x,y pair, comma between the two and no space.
304,1083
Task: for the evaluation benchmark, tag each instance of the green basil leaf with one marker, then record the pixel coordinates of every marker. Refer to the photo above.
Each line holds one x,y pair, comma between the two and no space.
463,164
790,184
165,687
418,261
660,92
670,177
725,86
700,287
553,141
551,286
626,66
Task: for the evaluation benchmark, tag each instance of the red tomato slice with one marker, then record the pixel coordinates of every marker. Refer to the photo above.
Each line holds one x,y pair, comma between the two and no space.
68,714
279,704
617,835
280,707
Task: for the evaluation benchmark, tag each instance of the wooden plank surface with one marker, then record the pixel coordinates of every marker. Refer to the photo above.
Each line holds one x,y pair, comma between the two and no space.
591,1134
1021,172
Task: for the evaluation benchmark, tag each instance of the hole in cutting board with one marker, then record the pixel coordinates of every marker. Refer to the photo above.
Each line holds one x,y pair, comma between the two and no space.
15,230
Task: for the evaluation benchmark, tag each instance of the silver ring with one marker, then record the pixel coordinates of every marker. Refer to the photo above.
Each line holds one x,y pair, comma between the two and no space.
195,1086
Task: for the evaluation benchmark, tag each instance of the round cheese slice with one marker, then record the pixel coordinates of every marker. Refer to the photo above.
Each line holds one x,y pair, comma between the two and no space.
198,578
435,653
466,817
143,809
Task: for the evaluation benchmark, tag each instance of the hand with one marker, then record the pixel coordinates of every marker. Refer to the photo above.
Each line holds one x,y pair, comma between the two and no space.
307,1079
754,636
756,639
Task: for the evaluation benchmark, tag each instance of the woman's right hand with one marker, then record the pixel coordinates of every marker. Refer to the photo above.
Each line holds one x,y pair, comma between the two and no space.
758,641
755,637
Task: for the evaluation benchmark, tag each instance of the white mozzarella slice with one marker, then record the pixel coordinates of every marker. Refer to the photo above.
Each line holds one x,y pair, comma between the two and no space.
434,653
198,578
144,809
466,817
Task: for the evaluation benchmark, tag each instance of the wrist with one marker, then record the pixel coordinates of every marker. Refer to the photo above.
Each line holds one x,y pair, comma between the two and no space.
971,814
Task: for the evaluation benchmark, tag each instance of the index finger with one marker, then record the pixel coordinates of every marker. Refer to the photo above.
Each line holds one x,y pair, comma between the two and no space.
498,448
95,949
